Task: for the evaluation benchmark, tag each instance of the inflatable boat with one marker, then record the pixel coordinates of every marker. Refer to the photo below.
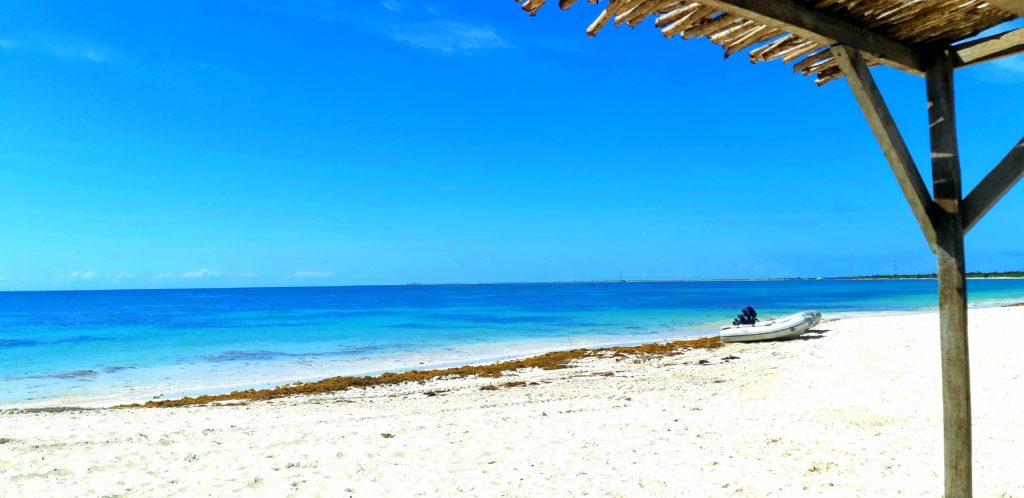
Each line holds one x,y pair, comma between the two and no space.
782,328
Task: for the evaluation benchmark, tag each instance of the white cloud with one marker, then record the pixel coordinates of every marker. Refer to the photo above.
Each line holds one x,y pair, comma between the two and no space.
1005,70
392,5
82,51
89,275
450,37
84,275
63,46
202,273
313,274
1012,64
248,275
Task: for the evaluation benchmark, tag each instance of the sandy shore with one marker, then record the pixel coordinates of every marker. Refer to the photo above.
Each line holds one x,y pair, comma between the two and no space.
853,410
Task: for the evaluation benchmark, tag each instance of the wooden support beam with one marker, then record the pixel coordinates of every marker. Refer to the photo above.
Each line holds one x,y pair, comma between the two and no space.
888,135
956,379
994,186
988,48
797,18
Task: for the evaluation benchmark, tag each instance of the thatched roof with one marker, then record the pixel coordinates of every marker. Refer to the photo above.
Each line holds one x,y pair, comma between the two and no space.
793,30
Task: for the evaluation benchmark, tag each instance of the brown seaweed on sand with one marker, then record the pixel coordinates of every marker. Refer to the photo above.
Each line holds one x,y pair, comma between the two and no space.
549,361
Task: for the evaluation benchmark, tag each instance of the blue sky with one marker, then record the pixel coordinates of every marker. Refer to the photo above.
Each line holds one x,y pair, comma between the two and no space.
310,142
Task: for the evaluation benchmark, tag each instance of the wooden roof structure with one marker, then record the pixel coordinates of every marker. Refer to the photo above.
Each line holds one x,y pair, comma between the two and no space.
802,32
832,39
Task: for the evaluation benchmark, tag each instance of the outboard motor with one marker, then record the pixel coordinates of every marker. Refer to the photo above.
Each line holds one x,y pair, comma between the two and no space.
747,317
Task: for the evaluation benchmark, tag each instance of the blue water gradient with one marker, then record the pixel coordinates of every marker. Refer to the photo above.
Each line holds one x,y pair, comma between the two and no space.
63,347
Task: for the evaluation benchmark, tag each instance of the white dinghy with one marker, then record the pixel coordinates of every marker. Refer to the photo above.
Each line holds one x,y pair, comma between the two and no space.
782,328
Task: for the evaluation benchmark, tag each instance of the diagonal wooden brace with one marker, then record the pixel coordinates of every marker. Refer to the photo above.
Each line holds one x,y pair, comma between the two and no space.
888,135
994,186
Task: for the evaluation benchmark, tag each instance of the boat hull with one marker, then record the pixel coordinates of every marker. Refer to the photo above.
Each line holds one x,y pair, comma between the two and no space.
783,328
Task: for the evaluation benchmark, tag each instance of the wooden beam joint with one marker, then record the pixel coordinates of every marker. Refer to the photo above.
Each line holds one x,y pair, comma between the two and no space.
809,24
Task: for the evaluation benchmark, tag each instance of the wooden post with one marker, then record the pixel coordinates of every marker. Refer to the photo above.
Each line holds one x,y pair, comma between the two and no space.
943,223
949,231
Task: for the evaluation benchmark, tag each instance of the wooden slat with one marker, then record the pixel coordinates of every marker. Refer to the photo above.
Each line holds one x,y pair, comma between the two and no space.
888,136
989,48
994,186
956,378
796,18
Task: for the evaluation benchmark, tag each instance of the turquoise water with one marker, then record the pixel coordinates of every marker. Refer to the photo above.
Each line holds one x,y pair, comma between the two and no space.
105,346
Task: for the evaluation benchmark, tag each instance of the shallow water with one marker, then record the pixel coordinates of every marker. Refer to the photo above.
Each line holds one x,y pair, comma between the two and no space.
95,346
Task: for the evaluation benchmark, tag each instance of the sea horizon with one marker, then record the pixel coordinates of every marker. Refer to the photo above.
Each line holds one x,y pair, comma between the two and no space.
540,282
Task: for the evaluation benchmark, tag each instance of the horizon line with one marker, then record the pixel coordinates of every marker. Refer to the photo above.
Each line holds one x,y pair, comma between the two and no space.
910,276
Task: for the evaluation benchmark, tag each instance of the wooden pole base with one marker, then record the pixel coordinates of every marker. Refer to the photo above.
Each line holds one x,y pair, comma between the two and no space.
956,391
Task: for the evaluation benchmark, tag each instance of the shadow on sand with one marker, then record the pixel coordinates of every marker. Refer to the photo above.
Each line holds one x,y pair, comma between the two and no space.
810,335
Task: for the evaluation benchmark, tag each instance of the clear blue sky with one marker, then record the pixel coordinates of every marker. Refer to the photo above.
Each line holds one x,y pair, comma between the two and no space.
310,142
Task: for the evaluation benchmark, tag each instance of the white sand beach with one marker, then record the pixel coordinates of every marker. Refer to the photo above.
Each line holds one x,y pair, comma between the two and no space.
854,410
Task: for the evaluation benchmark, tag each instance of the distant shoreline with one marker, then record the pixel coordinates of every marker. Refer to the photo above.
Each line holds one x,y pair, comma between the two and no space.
971,276
1011,275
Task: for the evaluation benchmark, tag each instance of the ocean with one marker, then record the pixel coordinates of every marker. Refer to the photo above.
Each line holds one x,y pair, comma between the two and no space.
96,347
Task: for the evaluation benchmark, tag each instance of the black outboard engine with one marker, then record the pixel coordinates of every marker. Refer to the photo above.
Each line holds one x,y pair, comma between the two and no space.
747,317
